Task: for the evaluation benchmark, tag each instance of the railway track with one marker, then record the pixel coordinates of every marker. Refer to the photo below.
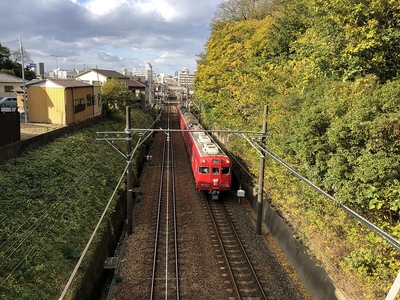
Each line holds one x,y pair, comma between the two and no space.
165,270
175,252
244,280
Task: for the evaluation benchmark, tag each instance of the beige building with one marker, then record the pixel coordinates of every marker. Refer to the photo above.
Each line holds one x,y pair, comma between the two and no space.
61,101
8,84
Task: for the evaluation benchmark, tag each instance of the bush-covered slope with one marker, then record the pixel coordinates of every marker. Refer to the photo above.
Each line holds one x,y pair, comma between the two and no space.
51,201
329,73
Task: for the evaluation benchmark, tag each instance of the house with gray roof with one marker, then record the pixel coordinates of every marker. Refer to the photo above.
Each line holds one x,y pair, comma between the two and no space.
8,83
98,77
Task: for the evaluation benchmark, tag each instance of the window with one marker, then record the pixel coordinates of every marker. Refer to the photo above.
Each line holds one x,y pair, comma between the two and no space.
8,88
89,100
215,171
225,170
79,105
204,170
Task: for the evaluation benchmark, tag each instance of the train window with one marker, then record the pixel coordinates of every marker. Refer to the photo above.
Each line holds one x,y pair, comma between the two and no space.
225,170
204,170
215,170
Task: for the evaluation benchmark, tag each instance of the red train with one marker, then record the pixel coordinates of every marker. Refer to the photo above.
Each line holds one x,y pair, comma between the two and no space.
210,165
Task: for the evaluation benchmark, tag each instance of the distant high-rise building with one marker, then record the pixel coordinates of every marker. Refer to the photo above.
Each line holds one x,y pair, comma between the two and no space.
63,74
125,72
185,78
146,73
40,70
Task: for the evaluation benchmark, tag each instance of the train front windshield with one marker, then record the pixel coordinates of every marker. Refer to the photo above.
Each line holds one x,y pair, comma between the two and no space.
204,170
226,170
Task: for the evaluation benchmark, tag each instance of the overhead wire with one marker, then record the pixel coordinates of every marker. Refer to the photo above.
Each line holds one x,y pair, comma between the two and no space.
34,247
74,272
26,220
43,217
9,216
394,242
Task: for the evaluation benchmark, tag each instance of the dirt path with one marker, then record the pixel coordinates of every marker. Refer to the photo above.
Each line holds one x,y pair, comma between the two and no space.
29,130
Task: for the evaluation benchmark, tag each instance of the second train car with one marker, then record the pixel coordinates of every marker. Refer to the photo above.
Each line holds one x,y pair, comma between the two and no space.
210,165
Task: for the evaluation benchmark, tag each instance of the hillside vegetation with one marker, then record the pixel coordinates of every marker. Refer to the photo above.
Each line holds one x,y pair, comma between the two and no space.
51,201
329,73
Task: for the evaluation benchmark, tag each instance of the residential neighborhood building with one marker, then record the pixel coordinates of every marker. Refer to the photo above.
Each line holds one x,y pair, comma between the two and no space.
147,73
63,74
98,77
185,78
8,84
165,79
139,91
61,101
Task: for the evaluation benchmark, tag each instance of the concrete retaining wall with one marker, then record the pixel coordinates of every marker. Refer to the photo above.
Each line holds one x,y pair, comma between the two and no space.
314,278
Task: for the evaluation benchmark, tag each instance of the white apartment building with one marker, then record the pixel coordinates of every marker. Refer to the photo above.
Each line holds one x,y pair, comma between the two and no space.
63,74
147,73
185,78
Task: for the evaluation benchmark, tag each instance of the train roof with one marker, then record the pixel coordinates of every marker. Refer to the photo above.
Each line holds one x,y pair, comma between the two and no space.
204,142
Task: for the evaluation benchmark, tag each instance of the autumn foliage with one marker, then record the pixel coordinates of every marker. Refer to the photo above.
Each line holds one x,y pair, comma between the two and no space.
329,72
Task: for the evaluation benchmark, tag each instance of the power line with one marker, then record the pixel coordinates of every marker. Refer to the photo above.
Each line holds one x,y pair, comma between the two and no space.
10,42
394,242
94,233
47,183
41,219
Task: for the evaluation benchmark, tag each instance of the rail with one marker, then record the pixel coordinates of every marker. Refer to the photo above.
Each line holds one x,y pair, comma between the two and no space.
228,236
165,196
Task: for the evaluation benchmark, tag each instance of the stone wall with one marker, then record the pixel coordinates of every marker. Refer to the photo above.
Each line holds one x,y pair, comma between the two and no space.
314,278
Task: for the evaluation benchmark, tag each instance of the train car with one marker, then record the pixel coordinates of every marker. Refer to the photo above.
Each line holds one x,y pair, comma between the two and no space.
210,165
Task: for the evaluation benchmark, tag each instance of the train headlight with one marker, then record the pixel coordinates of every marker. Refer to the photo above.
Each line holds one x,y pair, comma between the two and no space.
204,161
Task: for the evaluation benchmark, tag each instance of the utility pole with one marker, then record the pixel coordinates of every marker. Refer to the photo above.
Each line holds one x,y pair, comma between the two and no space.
129,173
23,80
261,175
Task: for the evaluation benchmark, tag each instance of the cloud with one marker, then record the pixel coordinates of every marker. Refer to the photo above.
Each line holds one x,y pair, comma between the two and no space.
108,57
167,33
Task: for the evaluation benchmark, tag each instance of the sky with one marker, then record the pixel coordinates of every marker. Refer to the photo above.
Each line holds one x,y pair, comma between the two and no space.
108,34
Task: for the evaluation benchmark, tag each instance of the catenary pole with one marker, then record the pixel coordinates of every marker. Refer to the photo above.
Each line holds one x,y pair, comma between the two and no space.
261,175
129,174
23,80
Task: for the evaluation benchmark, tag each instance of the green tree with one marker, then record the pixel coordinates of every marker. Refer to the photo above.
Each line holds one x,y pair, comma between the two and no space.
5,61
350,39
11,63
115,96
331,82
